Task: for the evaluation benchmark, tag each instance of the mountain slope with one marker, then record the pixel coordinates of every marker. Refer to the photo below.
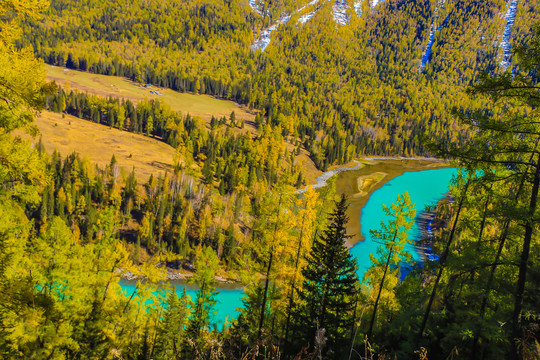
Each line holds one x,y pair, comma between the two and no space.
369,86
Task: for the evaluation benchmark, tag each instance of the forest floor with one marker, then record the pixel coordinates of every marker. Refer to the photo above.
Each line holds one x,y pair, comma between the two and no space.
118,87
68,134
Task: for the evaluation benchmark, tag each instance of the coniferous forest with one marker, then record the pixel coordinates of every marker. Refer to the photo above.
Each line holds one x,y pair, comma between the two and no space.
452,81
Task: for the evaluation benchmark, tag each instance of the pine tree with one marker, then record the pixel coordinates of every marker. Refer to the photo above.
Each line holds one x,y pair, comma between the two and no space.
92,339
232,119
328,294
245,331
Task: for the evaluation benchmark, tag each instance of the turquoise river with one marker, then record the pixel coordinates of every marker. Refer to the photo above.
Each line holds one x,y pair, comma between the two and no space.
425,188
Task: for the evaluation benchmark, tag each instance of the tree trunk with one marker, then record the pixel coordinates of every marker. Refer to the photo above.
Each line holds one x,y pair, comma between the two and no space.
267,281
372,321
487,289
523,264
291,294
442,263
483,222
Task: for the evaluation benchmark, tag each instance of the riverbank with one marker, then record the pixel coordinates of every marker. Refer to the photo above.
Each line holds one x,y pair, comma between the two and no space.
431,224
184,283
322,180
181,278
374,173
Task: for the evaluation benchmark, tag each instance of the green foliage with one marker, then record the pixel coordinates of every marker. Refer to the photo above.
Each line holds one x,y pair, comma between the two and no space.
171,329
383,275
21,75
484,289
244,334
197,338
66,226
328,293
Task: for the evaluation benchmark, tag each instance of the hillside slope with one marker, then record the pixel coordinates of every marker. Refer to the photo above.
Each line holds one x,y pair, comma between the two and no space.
68,134
377,85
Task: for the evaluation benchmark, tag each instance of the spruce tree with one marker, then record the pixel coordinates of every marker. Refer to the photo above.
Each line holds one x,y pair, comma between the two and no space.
328,293
244,336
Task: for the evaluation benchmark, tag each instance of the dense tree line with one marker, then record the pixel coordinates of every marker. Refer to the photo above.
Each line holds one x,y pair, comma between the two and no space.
173,214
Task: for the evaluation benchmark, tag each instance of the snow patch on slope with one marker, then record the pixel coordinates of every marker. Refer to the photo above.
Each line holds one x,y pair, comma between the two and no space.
255,6
264,39
510,17
358,7
313,2
305,18
265,36
432,32
339,12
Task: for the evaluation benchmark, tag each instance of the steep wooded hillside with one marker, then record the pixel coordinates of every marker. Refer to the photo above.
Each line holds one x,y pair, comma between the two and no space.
376,85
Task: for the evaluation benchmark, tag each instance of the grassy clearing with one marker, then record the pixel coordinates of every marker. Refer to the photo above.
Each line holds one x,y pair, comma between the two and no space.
198,105
98,143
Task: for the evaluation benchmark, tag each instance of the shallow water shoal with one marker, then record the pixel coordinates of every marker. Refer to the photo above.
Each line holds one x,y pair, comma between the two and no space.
425,188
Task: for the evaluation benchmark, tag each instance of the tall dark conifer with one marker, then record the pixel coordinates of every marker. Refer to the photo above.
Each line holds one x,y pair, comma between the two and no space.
328,292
